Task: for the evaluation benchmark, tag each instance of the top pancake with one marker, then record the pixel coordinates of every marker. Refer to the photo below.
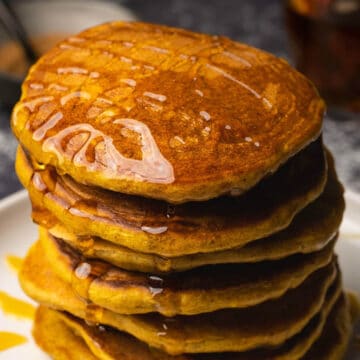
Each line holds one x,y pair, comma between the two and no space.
164,113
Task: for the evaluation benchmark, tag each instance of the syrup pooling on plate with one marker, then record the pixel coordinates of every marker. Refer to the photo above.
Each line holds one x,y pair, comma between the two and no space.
14,262
13,306
10,339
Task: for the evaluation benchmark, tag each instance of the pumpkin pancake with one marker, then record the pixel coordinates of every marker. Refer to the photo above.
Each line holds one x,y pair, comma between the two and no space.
113,109
153,226
333,343
311,230
195,291
268,324
61,340
56,331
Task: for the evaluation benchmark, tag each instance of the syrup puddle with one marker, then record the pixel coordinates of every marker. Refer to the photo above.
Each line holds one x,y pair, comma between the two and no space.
13,306
14,262
9,340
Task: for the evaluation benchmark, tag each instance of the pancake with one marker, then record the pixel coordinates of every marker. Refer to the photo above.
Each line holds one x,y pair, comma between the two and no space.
311,230
55,331
268,324
196,291
155,227
333,343
112,109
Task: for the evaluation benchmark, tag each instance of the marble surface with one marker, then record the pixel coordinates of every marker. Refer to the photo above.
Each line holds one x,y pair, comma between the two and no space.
256,22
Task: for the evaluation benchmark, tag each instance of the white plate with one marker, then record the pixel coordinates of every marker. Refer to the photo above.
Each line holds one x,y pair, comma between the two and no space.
18,232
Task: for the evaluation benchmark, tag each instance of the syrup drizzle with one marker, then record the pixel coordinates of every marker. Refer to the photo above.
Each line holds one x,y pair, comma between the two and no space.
228,54
156,49
205,115
126,59
130,82
105,151
38,182
235,80
72,70
236,58
36,86
158,97
152,167
57,87
154,230
83,270
199,92
39,134
77,94
155,285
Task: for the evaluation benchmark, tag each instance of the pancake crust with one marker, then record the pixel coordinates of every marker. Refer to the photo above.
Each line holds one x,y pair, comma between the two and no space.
267,324
164,113
108,344
196,291
155,227
311,230
59,339
333,343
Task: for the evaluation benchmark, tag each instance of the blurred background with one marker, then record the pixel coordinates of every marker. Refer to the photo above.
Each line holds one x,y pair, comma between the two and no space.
320,37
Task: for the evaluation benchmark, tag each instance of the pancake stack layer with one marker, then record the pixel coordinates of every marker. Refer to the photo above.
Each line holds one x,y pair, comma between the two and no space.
187,208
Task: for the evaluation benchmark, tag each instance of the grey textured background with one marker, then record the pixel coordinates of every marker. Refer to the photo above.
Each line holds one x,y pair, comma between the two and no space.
256,22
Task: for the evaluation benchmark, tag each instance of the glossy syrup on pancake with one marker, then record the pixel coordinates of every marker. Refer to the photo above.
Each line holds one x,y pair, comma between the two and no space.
270,323
10,305
199,290
9,340
152,226
107,343
311,230
116,110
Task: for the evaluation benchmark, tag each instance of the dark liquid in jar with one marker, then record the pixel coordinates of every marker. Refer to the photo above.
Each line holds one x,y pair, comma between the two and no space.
325,37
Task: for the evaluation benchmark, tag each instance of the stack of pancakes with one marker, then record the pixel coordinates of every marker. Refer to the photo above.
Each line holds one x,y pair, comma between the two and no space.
187,208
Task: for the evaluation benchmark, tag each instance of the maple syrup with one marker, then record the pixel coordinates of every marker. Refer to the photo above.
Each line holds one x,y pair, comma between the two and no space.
326,45
14,262
10,339
13,306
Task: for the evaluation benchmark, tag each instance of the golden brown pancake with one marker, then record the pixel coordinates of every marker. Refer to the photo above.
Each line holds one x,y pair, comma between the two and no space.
66,337
58,339
164,113
268,324
311,230
155,227
195,291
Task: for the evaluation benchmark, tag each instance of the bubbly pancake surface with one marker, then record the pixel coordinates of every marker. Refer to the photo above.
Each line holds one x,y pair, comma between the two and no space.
164,113
153,226
195,291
